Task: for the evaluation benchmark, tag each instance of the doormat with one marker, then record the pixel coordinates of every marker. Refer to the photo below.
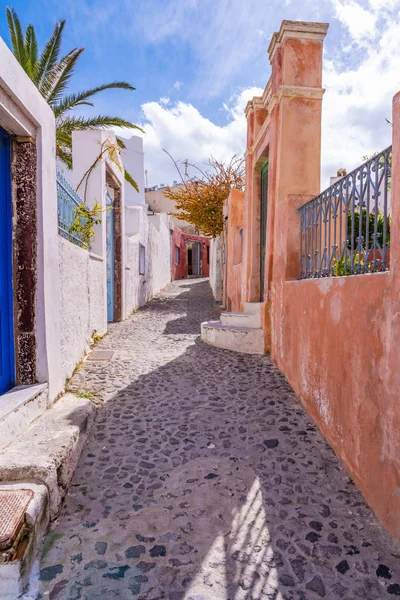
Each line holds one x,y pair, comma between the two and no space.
13,504
101,355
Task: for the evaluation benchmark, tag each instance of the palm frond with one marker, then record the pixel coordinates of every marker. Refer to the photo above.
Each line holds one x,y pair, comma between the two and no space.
74,100
17,39
59,77
63,138
65,157
121,143
129,179
31,49
49,56
68,124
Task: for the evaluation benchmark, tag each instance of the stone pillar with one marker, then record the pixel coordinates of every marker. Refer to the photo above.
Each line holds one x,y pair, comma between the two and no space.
296,58
251,272
24,258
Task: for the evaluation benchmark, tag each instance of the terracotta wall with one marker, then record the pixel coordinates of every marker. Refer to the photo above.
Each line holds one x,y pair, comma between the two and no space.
337,340
234,260
179,240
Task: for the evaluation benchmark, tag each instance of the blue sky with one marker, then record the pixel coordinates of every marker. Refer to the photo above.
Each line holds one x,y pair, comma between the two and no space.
196,62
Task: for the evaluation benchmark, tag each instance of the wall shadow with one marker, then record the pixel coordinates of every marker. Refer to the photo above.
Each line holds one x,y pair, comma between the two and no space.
204,478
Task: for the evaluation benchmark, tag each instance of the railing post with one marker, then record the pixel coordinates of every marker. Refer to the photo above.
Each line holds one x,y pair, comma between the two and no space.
395,192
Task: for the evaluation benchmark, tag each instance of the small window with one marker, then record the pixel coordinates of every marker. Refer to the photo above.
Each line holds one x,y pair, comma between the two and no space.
177,255
241,244
142,259
208,255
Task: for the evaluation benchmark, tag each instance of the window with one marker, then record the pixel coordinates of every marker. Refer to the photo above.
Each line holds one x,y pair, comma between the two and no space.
177,255
208,255
142,259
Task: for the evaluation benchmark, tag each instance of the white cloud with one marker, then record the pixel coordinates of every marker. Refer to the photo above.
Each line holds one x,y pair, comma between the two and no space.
361,75
358,100
360,22
186,134
177,85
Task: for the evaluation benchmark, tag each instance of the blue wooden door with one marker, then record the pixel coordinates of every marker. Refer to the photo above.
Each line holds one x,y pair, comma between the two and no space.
6,313
110,259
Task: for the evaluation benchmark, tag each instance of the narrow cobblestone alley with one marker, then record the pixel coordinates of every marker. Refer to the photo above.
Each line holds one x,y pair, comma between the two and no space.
205,479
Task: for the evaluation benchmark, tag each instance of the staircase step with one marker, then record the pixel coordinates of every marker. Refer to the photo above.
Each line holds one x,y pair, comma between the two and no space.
18,408
253,308
248,340
49,449
241,319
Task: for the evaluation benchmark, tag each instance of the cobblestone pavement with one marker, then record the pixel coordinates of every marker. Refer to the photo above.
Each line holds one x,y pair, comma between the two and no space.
205,479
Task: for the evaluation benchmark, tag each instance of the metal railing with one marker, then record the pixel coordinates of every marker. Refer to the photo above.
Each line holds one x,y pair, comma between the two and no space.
68,201
346,229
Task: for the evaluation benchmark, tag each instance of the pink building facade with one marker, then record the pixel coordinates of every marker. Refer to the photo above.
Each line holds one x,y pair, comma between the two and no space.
190,255
336,338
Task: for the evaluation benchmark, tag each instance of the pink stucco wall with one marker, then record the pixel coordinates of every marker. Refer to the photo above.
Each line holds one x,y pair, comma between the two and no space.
234,260
337,340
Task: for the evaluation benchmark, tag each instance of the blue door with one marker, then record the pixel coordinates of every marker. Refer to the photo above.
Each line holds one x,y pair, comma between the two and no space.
6,313
110,259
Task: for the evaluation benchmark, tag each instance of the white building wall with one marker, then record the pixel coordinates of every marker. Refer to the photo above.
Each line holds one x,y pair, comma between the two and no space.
24,112
153,234
81,302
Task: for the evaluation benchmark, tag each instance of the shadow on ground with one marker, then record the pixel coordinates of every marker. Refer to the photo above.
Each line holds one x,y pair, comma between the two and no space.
205,479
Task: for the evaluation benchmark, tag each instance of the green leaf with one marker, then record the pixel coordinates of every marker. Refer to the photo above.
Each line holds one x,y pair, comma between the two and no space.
31,49
99,122
129,179
58,79
49,57
17,39
74,100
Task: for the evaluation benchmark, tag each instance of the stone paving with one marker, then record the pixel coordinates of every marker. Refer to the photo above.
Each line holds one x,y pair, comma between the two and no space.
205,479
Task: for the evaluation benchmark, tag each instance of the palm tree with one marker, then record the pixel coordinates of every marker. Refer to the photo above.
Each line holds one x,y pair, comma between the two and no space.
51,75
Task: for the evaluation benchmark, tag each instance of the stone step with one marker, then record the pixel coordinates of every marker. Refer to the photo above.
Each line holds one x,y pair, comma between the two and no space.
19,408
50,448
17,560
253,308
241,319
248,340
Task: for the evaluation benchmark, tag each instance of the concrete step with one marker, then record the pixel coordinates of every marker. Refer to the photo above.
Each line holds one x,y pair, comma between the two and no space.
16,562
253,308
241,319
49,449
248,340
19,408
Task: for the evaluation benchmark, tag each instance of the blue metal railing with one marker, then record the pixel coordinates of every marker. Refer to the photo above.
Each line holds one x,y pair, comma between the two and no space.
68,201
346,229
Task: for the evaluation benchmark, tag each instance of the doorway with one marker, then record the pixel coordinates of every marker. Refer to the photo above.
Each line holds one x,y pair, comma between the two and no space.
110,258
194,259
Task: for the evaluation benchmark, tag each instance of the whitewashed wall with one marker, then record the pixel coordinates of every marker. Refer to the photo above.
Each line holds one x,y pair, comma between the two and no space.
216,268
25,113
153,233
82,308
